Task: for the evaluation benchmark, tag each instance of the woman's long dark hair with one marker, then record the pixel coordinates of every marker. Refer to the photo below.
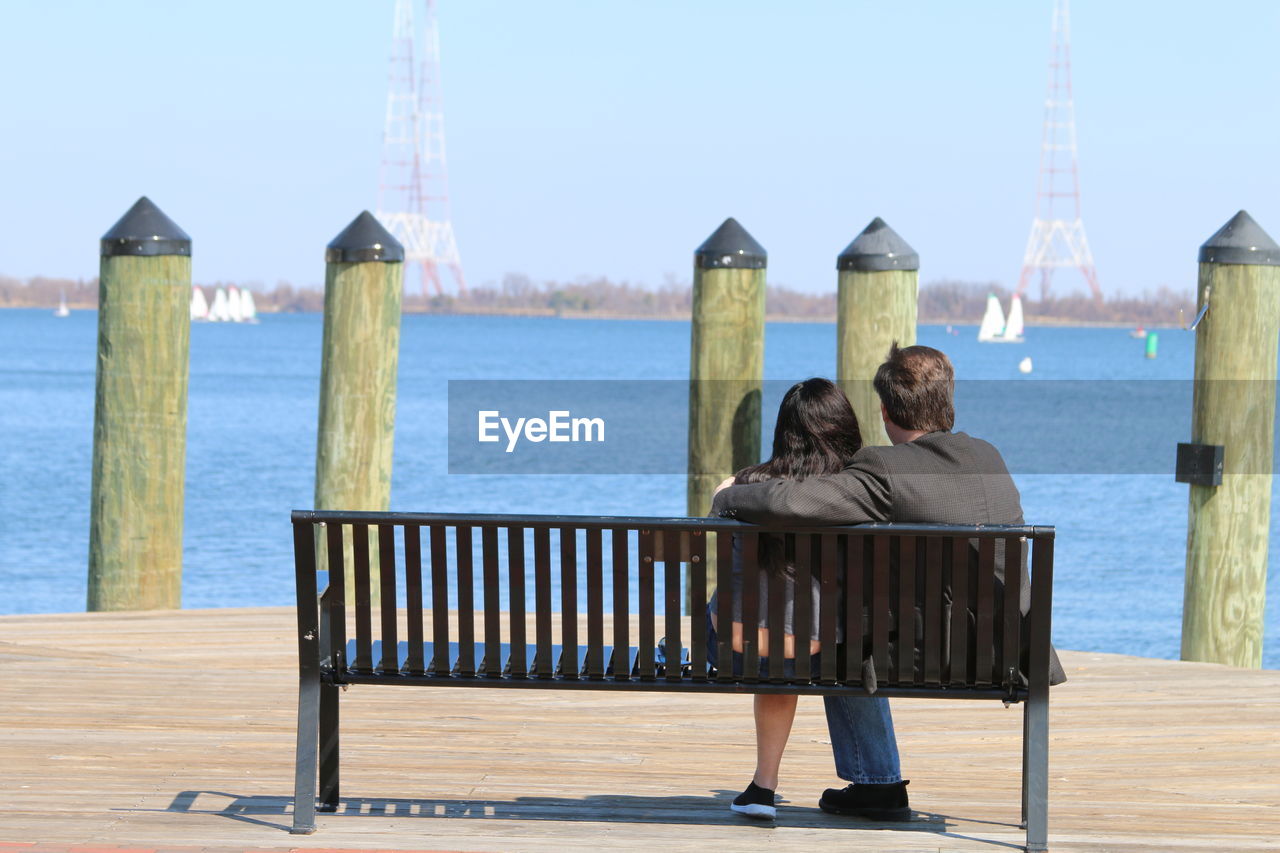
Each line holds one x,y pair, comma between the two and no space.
816,433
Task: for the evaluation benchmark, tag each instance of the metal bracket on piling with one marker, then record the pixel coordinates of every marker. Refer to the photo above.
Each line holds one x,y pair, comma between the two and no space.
1204,309
1199,464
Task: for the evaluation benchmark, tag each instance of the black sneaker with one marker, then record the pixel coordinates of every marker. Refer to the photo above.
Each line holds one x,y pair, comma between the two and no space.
755,802
874,802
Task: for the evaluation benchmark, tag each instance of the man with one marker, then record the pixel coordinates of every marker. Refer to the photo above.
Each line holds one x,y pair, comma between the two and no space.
929,474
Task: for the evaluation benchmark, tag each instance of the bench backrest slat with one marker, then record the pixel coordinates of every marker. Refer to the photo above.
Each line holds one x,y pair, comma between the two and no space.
387,599
337,604
903,664
595,603
412,537
933,628
516,599
1011,638
880,604
646,663
960,580
802,612
750,610
724,606
984,605
777,601
829,613
568,664
621,605
673,593
919,606
466,600
542,602
439,545
493,662
364,618
855,625
698,604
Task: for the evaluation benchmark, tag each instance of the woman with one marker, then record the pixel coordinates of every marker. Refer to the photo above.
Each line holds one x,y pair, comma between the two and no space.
816,433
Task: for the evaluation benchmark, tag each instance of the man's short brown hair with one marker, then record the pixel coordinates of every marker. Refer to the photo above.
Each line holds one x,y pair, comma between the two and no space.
917,386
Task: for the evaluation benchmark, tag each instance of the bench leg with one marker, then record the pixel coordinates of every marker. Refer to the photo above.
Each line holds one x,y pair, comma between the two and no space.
1035,778
1026,757
328,748
304,779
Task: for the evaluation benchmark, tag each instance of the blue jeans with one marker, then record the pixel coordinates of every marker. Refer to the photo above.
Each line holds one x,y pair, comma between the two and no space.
861,727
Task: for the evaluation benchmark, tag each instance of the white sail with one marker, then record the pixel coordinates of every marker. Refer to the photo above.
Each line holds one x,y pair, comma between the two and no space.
199,305
233,304
218,310
62,310
248,310
1013,328
992,320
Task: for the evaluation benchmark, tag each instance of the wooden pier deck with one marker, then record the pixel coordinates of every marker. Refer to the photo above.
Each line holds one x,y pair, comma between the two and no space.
168,729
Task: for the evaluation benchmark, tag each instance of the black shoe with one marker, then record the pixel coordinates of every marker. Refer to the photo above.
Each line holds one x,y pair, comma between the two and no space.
755,802
874,802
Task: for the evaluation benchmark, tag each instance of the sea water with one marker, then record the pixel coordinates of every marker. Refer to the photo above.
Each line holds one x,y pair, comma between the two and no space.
251,438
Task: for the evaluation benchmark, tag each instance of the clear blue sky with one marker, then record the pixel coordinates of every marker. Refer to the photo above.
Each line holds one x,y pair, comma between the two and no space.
610,138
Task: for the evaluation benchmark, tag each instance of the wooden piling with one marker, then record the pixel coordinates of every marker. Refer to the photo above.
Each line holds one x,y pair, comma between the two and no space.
140,413
877,281
726,365
364,272
1234,406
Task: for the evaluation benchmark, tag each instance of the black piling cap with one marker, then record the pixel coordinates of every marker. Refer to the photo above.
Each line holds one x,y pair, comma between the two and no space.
730,247
145,230
876,249
364,240
1241,241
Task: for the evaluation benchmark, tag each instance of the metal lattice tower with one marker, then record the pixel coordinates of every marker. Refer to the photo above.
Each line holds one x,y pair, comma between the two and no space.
413,187
1058,241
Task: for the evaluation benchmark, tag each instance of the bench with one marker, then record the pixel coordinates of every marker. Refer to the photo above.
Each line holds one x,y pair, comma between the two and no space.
441,577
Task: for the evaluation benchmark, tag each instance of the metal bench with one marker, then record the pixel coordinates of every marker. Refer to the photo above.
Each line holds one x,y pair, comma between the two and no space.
441,576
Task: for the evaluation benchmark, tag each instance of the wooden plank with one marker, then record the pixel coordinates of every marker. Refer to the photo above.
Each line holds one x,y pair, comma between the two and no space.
121,729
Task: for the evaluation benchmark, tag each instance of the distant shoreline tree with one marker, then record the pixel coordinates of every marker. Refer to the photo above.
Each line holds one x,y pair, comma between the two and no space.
941,302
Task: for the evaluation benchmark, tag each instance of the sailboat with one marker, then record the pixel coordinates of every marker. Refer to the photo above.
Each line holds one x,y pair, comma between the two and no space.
1013,326
992,321
62,310
233,304
994,329
199,305
218,310
248,310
